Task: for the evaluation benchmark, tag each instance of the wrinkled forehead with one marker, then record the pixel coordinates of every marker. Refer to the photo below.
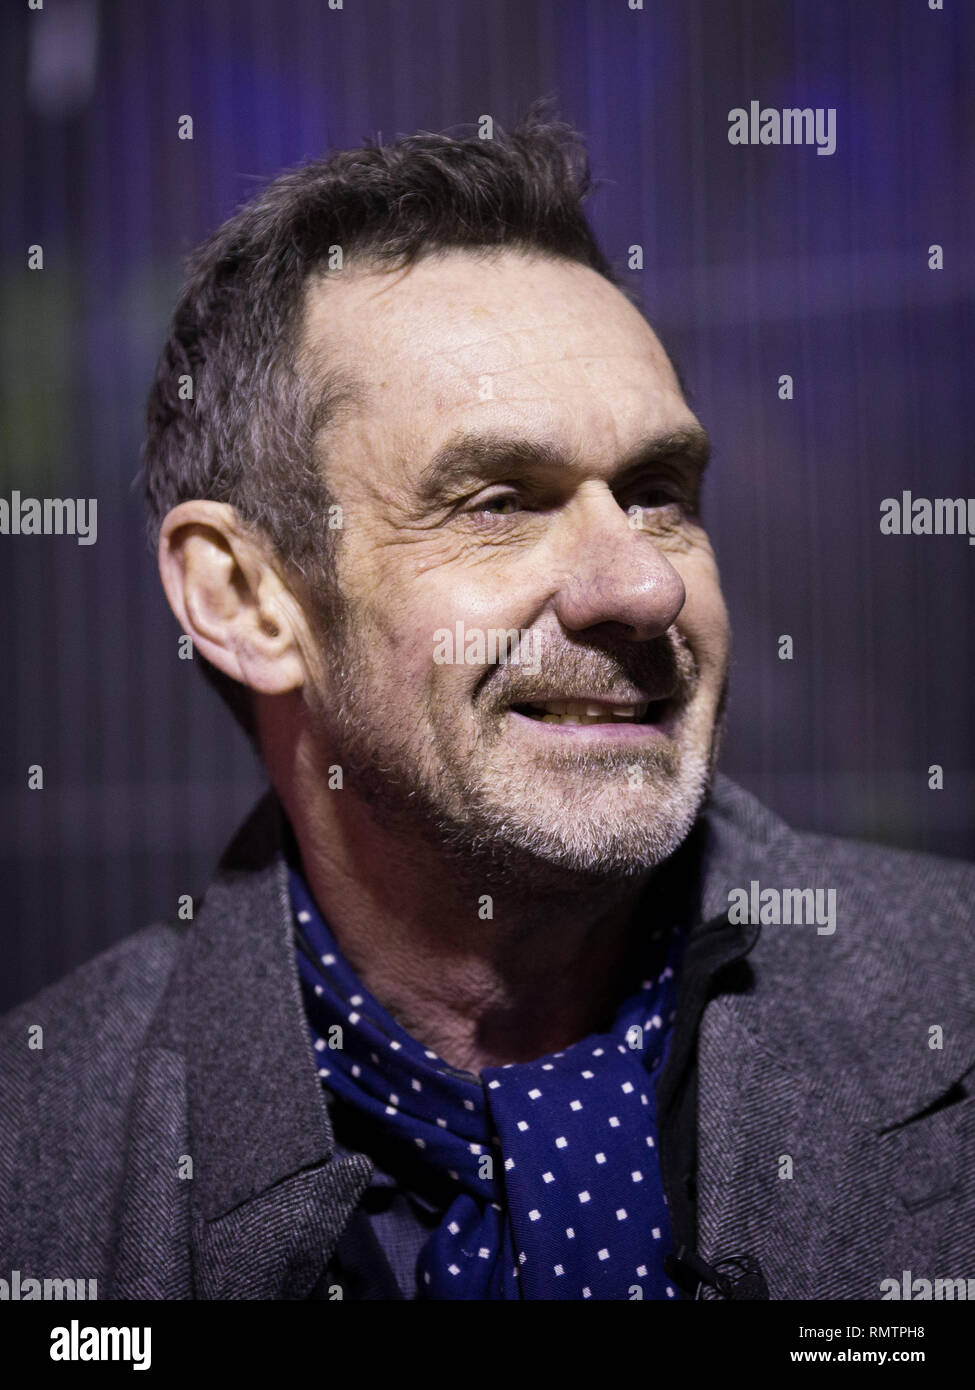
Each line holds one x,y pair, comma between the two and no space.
504,338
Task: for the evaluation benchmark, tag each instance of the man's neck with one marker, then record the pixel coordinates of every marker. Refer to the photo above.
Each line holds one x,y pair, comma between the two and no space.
481,973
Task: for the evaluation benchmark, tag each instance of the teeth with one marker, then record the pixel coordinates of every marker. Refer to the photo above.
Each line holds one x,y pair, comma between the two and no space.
585,712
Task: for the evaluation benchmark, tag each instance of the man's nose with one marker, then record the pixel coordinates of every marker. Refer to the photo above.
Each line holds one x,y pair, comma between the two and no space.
616,576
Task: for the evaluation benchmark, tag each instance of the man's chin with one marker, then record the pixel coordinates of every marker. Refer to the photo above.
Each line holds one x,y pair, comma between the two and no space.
572,816
557,841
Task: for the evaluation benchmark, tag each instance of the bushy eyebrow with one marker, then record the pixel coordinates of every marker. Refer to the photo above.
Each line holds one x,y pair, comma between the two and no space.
475,458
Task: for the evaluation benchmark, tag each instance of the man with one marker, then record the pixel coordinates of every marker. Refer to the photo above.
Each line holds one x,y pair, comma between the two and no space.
480,1003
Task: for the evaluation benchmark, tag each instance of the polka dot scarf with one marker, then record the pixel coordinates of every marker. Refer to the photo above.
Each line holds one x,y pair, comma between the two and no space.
548,1169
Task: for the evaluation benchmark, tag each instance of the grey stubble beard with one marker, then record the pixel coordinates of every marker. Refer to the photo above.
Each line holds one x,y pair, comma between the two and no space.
488,838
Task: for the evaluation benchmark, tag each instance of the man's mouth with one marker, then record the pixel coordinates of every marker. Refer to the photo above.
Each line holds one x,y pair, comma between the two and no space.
593,711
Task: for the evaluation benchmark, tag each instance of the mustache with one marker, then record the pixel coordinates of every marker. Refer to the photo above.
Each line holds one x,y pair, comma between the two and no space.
630,673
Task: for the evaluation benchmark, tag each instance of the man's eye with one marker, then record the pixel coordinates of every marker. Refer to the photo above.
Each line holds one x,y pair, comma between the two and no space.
655,497
501,505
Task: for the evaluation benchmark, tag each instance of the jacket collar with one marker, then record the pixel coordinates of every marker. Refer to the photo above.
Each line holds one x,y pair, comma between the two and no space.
270,1197
252,1073
266,1174
846,1014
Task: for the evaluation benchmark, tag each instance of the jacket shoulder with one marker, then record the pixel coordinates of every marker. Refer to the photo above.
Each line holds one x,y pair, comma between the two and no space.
920,876
899,888
68,1059
847,979
110,995
901,928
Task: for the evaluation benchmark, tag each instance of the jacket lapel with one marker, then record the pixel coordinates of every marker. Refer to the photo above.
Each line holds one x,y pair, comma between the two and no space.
269,1196
824,1117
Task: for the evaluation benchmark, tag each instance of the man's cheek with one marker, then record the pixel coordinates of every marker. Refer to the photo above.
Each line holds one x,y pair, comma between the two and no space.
703,620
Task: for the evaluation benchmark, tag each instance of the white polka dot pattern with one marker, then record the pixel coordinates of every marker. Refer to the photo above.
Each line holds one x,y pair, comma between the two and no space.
552,1182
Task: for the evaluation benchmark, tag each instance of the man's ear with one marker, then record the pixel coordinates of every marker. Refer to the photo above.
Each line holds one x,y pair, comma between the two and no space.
230,599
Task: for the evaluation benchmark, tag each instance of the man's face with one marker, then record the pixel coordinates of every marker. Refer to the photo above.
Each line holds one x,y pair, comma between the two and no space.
526,461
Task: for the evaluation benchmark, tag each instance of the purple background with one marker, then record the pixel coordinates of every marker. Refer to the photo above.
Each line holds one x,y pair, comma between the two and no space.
758,261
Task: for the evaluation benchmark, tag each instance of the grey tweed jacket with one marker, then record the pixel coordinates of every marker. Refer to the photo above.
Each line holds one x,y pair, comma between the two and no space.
170,1138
